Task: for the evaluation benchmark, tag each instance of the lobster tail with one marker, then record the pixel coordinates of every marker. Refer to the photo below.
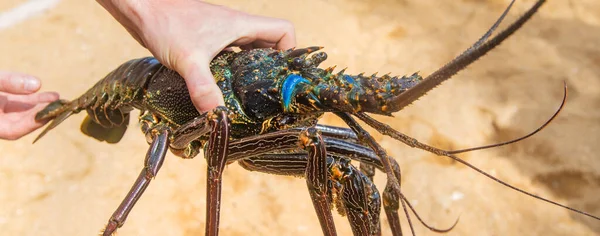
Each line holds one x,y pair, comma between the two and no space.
57,111
107,103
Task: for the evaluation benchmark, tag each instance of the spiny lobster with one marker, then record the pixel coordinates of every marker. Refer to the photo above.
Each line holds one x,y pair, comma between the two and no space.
274,99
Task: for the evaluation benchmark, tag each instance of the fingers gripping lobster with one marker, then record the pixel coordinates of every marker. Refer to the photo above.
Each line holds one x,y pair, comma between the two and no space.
274,100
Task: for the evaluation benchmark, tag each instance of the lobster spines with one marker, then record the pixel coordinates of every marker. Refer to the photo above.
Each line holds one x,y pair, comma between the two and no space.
309,88
385,95
360,93
301,52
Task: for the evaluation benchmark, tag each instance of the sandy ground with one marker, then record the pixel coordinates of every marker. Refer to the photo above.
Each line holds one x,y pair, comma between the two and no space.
68,184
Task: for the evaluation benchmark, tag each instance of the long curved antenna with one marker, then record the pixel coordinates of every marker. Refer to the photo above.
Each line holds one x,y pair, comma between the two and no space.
403,198
412,230
519,190
460,62
562,104
387,130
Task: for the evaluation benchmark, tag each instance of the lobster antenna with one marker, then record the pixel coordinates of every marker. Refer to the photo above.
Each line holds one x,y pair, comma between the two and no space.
477,50
403,199
460,62
412,229
387,130
519,190
523,137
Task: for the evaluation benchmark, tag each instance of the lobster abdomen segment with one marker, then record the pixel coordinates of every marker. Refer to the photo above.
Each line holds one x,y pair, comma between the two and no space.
107,103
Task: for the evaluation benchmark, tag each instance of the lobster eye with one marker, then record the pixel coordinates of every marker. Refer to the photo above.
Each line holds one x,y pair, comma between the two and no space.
297,62
318,58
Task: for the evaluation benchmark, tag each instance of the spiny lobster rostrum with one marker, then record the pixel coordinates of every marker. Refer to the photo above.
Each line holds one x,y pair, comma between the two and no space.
274,100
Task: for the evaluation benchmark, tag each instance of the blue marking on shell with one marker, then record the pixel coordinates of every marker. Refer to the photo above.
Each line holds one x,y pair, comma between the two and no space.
349,79
289,89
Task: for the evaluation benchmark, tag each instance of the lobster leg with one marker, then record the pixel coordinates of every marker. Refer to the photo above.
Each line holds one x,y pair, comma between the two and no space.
391,199
392,189
357,189
215,154
359,197
316,177
154,160
344,144
347,134
316,170
391,205
215,123
369,170
337,132
367,166
288,164
366,156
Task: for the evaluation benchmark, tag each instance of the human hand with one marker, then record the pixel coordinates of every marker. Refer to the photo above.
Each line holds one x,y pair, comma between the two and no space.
19,103
185,35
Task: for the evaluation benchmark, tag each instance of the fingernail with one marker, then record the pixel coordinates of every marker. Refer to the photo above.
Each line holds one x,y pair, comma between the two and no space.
31,84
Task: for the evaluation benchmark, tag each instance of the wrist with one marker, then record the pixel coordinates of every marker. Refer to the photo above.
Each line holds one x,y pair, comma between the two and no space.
130,14
125,11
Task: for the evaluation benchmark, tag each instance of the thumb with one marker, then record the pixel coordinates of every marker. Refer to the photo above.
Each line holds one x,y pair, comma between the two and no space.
204,92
